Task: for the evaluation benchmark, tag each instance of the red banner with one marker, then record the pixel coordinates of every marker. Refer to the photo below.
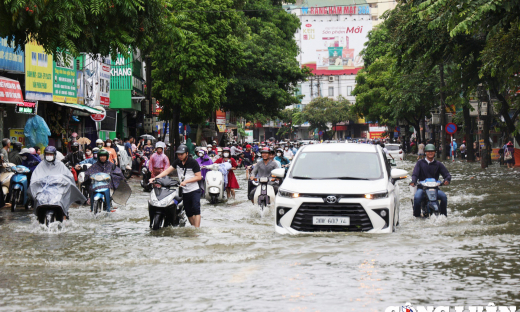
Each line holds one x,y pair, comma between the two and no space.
10,91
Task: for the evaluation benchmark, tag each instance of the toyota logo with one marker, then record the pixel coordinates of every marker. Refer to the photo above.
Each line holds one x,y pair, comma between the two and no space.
331,199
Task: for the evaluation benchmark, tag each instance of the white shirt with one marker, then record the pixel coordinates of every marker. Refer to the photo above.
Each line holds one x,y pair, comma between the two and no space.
233,150
288,153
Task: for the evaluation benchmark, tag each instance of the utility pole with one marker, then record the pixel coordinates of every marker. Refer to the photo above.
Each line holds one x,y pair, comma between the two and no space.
319,88
312,90
443,115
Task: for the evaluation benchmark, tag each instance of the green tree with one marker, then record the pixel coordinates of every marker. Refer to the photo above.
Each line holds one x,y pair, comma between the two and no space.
289,117
267,81
191,70
102,26
322,111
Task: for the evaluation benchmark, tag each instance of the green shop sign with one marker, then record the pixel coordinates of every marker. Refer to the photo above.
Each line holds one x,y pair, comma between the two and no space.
64,83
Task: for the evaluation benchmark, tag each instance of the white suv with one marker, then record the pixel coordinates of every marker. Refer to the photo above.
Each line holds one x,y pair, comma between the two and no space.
338,188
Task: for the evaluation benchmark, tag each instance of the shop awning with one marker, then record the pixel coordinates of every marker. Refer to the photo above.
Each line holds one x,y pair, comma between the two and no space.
83,108
10,91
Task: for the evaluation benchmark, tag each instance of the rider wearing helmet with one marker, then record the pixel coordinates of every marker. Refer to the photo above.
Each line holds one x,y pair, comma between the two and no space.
429,168
262,169
29,160
75,156
188,170
272,155
92,160
159,161
104,165
14,155
284,161
100,143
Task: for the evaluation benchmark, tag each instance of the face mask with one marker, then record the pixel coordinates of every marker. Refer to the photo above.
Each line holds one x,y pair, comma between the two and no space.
24,157
220,153
226,154
88,153
49,158
95,156
279,154
201,154
209,149
286,148
100,145
108,144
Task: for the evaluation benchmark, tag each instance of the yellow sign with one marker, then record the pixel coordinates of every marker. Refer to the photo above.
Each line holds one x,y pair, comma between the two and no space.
16,135
221,128
38,73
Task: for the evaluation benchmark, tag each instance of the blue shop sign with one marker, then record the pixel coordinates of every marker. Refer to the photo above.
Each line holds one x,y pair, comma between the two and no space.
9,59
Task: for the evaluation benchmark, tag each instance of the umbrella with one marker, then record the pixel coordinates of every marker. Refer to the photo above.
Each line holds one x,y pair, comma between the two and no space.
83,140
148,137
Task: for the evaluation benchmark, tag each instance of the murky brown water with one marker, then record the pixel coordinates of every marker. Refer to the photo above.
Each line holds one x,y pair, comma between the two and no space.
236,262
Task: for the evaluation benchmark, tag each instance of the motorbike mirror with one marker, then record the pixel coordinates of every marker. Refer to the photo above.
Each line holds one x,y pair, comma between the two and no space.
398,174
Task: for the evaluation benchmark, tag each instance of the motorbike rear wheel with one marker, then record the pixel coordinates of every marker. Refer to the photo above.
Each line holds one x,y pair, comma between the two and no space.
157,222
98,206
14,199
128,174
49,218
213,199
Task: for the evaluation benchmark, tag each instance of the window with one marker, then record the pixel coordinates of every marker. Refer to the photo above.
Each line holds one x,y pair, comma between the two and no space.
349,91
331,91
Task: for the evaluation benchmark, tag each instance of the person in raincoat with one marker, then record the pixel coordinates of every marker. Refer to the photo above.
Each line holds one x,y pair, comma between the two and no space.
232,180
29,160
204,160
159,161
191,147
90,160
105,166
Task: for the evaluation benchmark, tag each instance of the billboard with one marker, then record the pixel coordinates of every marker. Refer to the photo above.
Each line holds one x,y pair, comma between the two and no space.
9,59
64,80
38,73
104,83
332,48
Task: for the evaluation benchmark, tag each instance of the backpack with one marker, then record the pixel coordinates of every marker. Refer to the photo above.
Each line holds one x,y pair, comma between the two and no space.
508,155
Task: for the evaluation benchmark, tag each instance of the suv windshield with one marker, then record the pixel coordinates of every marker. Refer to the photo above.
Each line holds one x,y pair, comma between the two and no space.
337,165
392,147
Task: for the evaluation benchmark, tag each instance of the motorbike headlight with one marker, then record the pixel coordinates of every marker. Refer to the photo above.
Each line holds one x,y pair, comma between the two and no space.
213,190
288,194
19,170
264,179
144,170
430,184
99,178
376,196
163,202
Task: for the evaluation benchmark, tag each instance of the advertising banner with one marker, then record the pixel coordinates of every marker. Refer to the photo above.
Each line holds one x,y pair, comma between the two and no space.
104,84
10,60
16,135
64,86
221,118
249,136
10,91
80,84
38,73
332,48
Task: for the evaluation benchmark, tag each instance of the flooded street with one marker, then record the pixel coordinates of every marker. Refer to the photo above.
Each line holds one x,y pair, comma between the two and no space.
236,262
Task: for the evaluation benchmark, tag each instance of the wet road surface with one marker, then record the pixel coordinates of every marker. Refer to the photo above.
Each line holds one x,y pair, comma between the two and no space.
236,262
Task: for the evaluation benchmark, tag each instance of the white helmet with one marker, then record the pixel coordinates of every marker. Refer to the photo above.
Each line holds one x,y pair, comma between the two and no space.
161,145
25,151
98,141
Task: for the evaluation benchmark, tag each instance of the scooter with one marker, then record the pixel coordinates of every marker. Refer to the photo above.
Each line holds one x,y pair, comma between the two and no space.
5,177
147,187
264,193
430,204
125,162
214,184
140,159
101,199
164,206
19,182
81,180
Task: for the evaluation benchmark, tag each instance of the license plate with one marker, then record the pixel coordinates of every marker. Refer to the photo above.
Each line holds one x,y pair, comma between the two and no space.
331,221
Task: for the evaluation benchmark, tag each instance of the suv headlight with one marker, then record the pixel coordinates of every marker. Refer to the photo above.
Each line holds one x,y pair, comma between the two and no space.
288,194
376,196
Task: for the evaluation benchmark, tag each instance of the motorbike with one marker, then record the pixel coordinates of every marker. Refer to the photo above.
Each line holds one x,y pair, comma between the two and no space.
5,177
214,184
264,193
165,207
19,185
430,204
101,199
48,193
81,180
147,187
140,159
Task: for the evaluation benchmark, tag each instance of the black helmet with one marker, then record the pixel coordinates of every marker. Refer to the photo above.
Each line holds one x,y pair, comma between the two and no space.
103,152
17,146
182,149
74,147
50,150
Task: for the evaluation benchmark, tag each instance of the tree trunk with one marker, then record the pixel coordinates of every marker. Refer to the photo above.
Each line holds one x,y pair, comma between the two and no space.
198,138
470,153
163,137
443,114
423,131
504,111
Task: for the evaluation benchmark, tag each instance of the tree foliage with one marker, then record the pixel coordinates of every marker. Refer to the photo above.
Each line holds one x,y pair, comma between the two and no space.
93,26
322,111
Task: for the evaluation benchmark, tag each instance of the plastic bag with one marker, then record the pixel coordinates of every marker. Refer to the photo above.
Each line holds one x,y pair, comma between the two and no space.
36,132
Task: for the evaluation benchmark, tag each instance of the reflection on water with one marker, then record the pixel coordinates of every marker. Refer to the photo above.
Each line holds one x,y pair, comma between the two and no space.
237,262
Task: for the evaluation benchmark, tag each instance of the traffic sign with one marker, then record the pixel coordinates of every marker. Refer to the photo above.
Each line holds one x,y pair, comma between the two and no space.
451,128
98,117
320,133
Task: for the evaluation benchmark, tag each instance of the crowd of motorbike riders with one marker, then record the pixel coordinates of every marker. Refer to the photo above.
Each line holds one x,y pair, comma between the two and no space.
115,159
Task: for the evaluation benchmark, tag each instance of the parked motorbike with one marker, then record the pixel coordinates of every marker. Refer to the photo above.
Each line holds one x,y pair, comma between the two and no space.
101,199
139,161
81,180
214,184
19,182
125,162
5,177
164,206
430,204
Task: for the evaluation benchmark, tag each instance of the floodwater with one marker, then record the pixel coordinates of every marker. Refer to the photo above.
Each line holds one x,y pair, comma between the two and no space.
236,261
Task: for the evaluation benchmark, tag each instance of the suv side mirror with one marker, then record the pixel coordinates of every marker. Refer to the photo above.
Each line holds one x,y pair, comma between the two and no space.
278,173
398,174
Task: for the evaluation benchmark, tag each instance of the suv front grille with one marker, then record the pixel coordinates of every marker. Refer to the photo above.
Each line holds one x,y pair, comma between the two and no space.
359,220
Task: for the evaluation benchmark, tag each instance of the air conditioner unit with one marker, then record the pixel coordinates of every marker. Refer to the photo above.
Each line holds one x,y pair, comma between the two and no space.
481,123
449,118
480,128
484,108
331,78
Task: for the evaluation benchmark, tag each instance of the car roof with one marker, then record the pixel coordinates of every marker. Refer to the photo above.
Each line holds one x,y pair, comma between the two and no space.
340,147
396,144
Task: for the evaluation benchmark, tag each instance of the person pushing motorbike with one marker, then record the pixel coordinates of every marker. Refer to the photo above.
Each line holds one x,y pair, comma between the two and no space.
429,168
